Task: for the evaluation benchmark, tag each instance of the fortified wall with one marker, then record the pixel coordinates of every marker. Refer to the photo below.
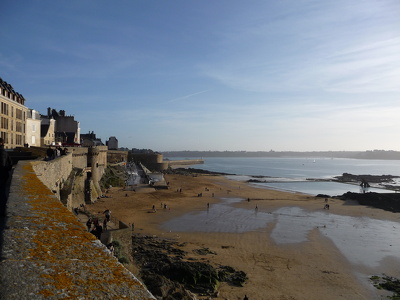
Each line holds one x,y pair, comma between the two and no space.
46,253
116,156
153,161
74,178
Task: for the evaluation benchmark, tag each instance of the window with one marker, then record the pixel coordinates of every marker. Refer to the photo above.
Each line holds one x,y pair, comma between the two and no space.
18,139
18,127
4,108
18,114
33,127
4,136
33,140
4,123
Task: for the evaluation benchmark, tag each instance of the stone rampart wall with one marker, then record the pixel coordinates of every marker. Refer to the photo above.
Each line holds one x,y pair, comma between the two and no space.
46,253
67,176
54,173
116,156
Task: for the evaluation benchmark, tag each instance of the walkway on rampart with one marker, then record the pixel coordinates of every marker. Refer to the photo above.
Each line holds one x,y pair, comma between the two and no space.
46,253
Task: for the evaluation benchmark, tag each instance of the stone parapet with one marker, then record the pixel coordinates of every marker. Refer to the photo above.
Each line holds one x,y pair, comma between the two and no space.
46,253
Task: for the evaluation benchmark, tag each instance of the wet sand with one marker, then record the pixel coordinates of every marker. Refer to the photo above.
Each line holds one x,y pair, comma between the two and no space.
314,269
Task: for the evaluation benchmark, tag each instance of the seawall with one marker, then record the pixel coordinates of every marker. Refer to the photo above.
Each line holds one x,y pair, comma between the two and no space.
184,162
46,253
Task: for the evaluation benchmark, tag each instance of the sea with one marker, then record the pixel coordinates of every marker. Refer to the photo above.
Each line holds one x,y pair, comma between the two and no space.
302,175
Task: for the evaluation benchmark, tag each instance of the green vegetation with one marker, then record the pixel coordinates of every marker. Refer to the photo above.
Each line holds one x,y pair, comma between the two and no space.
114,176
119,253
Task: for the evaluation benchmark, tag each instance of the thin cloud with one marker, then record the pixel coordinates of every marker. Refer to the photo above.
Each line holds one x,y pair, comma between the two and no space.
188,96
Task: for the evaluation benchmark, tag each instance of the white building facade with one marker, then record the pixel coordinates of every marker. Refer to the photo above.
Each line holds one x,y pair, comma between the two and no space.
33,124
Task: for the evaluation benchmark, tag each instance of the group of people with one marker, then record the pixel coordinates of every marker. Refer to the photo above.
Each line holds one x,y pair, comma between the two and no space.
97,229
56,152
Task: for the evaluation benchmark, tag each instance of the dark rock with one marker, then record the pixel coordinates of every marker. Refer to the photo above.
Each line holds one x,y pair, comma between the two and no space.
346,177
164,288
168,276
199,276
203,251
385,201
191,171
229,274
322,196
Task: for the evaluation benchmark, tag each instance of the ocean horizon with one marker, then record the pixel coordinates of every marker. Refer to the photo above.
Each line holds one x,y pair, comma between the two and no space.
301,174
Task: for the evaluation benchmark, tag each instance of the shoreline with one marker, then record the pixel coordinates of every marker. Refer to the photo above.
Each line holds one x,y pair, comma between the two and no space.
301,271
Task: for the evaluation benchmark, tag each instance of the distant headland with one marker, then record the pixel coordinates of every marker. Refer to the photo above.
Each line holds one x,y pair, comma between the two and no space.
371,154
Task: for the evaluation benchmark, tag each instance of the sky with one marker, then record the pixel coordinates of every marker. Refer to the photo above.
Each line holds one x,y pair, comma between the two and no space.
290,75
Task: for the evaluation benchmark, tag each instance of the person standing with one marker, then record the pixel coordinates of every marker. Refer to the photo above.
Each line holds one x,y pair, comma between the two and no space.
89,224
105,224
5,168
50,153
107,213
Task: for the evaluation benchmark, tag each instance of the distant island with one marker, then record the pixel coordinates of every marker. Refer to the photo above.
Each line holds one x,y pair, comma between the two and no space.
372,154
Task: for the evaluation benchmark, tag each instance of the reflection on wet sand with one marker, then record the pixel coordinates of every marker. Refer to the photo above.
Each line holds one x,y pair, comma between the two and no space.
363,241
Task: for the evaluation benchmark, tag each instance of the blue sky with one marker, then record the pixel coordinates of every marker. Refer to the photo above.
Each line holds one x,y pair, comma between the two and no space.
212,75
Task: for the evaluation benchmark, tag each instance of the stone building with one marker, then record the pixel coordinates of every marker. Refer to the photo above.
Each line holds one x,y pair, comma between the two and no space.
13,115
90,140
47,132
66,129
33,128
112,143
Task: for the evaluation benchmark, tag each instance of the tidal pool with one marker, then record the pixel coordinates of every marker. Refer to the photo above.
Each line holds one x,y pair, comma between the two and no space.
362,240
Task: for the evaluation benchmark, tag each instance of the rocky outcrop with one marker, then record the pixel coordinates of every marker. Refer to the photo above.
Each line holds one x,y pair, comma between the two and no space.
192,171
346,177
168,274
386,201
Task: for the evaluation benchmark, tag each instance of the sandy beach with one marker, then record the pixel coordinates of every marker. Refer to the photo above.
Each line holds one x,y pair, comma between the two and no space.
315,269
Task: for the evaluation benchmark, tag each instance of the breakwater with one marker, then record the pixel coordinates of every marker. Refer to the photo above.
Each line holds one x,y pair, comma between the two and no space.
46,253
184,162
